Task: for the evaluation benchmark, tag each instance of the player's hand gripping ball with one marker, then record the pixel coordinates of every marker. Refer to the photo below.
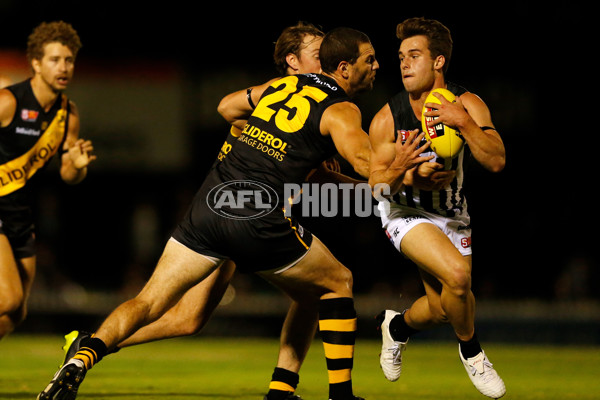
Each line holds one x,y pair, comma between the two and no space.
445,141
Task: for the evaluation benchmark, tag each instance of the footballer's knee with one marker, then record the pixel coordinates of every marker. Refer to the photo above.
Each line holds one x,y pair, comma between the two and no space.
457,279
191,326
11,301
344,279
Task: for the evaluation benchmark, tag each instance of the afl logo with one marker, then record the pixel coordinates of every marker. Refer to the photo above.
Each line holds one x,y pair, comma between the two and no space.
242,199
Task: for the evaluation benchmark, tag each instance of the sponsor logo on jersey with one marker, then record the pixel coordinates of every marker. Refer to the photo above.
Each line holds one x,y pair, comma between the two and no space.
264,141
29,115
321,82
27,131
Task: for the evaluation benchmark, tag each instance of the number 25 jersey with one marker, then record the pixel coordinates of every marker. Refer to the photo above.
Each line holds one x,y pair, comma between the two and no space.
282,141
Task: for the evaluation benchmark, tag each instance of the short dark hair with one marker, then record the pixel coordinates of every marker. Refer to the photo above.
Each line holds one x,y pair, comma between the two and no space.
340,44
290,41
49,32
440,40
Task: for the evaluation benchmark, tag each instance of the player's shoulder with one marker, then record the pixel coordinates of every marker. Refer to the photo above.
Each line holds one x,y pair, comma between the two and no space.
341,108
8,106
465,95
7,95
472,101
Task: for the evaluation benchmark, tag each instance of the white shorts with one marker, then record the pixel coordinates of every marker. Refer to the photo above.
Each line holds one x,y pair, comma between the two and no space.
398,220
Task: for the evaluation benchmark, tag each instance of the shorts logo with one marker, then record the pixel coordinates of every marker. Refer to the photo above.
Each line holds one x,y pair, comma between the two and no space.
392,236
465,242
242,199
410,218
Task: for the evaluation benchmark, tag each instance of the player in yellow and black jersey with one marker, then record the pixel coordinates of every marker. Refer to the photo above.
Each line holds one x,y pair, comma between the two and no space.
296,52
240,219
36,122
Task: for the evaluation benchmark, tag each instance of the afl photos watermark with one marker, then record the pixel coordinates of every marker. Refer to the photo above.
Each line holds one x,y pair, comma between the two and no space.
246,199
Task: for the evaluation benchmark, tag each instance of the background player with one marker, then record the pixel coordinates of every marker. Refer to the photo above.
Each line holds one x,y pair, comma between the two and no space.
36,121
427,218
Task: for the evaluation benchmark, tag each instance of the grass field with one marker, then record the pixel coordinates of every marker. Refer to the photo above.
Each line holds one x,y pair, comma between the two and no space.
220,369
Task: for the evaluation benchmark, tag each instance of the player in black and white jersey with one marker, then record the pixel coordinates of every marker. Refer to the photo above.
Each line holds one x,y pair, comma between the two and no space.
302,119
36,122
426,217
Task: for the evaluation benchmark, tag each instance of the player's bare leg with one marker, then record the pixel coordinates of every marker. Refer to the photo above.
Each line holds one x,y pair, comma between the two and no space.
16,279
433,252
446,275
296,337
320,280
178,269
191,313
297,334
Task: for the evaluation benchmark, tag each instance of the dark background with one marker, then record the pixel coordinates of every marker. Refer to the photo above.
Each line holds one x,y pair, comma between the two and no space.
534,223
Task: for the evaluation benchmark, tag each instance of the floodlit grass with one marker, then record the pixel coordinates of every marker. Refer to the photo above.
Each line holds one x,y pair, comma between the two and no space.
215,369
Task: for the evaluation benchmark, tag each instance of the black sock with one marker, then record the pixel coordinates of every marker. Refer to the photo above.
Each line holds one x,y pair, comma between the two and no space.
283,382
399,329
91,352
470,348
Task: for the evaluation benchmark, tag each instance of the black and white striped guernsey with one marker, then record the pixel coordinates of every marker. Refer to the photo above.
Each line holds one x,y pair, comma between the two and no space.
449,201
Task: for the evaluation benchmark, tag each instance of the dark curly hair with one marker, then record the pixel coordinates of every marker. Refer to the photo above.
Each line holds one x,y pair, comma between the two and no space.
49,32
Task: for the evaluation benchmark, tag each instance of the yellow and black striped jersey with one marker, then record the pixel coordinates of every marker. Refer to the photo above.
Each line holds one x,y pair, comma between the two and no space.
282,141
26,146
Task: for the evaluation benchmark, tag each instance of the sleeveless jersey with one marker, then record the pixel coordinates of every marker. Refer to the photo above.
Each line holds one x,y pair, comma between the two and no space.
282,142
26,146
449,201
238,212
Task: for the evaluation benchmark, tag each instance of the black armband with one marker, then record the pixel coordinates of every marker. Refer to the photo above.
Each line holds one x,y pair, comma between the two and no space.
249,97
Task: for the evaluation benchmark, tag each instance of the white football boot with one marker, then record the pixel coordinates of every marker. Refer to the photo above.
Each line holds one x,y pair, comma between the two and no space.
390,358
483,375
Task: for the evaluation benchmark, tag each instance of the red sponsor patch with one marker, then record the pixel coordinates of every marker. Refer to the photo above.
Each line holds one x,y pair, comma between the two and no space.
29,115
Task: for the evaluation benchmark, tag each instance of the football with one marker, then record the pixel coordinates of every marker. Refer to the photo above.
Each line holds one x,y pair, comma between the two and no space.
445,141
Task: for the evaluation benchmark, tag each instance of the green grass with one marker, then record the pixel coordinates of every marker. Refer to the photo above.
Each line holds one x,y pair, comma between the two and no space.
215,369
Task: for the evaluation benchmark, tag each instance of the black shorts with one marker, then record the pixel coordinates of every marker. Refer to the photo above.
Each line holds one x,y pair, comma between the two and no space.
22,243
17,222
255,244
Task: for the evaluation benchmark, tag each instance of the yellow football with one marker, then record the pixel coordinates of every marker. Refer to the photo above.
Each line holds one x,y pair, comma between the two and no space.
445,141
